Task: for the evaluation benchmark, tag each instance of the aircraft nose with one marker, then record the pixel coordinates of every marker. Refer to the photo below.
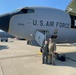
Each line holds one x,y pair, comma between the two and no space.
4,22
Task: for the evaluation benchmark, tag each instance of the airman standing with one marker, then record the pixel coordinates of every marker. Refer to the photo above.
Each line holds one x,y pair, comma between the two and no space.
52,49
45,51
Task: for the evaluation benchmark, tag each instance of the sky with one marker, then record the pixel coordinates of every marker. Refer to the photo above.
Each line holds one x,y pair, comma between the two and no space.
7,6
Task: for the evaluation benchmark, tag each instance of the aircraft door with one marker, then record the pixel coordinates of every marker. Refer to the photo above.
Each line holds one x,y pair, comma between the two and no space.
40,36
73,22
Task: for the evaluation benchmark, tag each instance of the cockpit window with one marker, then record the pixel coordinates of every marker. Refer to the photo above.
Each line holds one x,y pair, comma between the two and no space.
27,10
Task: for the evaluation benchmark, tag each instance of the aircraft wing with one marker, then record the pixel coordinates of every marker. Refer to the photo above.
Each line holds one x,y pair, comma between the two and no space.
71,9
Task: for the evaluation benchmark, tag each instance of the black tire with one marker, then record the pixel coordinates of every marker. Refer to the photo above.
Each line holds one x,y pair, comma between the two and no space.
1,40
6,40
28,42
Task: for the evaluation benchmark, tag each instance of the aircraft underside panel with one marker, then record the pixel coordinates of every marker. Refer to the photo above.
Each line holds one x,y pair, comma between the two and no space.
39,37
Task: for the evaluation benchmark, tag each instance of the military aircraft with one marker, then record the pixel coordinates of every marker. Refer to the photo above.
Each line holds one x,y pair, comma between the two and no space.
4,36
35,23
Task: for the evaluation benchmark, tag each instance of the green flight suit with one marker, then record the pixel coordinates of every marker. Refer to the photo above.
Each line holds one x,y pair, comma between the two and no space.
45,51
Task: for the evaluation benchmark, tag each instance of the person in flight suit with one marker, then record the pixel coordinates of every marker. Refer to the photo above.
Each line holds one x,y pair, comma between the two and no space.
45,51
52,49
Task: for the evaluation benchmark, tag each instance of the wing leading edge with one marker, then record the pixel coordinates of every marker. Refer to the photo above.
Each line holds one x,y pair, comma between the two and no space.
71,9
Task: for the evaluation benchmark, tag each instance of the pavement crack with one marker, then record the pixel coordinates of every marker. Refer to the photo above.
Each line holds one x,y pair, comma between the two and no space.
2,69
20,56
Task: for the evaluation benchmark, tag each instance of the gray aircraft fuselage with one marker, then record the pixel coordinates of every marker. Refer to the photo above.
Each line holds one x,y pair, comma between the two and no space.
26,21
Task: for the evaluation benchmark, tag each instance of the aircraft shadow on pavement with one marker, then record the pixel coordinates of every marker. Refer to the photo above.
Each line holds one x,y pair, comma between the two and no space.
2,47
70,60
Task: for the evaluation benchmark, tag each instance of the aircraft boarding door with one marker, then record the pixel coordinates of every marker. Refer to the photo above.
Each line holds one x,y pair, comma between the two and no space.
75,22
40,36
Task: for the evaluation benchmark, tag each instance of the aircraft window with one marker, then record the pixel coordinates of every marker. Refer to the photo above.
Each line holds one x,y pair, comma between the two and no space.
30,11
27,10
